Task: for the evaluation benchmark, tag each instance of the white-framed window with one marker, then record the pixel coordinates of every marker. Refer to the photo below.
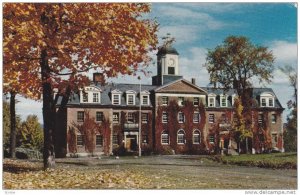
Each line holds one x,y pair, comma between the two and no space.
164,117
165,138
165,100
116,117
273,118
145,99
196,137
271,102
130,117
263,102
211,101
180,101
223,101
99,116
79,140
80,116
211,118
196,117
99,140
130,99
95,97
181,137
144,117
116,99
196,101
181,117
212,139
85,97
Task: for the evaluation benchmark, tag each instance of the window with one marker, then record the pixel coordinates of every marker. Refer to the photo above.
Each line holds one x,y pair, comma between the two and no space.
144,117
271,104
212,139
224,118
165,100
99,140
115,139
260,118
116,117
273,118
130,117
180,117
145,100
211,102
164,117
79,140
95,97
99,116
171,70
165,137
196,137
180,137
116,99
80,116
211,118
196,117
263,102
130,99
223,101
180,101
85,97
196,101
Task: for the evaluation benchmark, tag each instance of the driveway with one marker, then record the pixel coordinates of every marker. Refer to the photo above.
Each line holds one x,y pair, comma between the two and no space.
190,172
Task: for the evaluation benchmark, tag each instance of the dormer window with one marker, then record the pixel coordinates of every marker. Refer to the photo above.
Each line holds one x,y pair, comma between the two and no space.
116,97
130,97
232,99
211,100
145,98
223,101
196,101
90,94
267,99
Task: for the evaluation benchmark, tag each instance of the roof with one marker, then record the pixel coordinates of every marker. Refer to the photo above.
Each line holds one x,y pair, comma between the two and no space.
167,49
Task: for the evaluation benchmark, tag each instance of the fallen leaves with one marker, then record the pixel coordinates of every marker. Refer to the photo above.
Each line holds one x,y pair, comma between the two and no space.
25,175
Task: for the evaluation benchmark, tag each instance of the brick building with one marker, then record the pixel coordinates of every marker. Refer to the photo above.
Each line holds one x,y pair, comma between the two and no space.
177,116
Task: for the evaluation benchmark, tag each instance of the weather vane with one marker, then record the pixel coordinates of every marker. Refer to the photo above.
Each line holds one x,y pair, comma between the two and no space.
168,40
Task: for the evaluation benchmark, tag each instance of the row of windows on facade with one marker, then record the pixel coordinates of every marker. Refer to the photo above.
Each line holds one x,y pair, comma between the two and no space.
130,116
116,99
264,101
181,137
99,140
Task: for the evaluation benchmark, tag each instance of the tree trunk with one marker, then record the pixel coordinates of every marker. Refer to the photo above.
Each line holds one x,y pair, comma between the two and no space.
247,149
12,124
48,113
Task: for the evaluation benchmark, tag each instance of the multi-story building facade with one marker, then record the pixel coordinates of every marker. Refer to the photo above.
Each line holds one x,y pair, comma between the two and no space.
172,115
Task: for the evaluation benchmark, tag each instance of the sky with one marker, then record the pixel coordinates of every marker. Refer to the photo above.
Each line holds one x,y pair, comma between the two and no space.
198,27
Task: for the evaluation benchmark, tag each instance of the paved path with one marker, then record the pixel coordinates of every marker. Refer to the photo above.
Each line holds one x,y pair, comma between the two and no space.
192,172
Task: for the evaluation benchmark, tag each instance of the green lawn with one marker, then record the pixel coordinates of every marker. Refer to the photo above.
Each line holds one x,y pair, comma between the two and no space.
274,160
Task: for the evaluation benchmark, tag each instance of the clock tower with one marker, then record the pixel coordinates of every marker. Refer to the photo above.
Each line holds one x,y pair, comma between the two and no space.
167,65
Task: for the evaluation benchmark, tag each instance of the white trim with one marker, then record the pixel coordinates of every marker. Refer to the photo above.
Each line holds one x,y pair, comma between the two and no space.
214,101
183,137
180,112
197,143
113,98
167,133
180,95
223,97
127,98
142,100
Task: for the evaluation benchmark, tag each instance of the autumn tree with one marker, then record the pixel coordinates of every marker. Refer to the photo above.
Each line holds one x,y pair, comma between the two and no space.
56,43
235,64
241,131
290,136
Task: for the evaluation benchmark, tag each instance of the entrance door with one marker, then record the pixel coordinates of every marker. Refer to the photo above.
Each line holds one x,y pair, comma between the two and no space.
131,143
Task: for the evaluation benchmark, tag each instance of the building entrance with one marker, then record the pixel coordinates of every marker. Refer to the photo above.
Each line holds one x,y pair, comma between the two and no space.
131,143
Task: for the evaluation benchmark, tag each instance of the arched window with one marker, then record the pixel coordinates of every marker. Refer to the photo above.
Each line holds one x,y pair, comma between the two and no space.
181,137
196,137
165,137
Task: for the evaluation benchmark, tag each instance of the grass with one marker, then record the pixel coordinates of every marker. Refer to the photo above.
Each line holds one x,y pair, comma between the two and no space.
274,160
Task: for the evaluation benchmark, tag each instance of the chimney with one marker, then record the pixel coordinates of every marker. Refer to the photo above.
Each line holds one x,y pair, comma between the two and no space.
194,81
98,77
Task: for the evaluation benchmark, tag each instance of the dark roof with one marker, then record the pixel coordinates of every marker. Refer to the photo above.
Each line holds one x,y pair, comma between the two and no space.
167,49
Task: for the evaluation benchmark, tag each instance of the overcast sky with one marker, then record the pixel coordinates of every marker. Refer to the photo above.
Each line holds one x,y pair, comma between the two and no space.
198,27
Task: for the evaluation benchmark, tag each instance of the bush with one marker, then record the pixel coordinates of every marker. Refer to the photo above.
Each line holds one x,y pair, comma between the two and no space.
25,153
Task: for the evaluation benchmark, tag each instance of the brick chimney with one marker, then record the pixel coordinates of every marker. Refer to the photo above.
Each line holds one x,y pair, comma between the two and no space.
98,77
